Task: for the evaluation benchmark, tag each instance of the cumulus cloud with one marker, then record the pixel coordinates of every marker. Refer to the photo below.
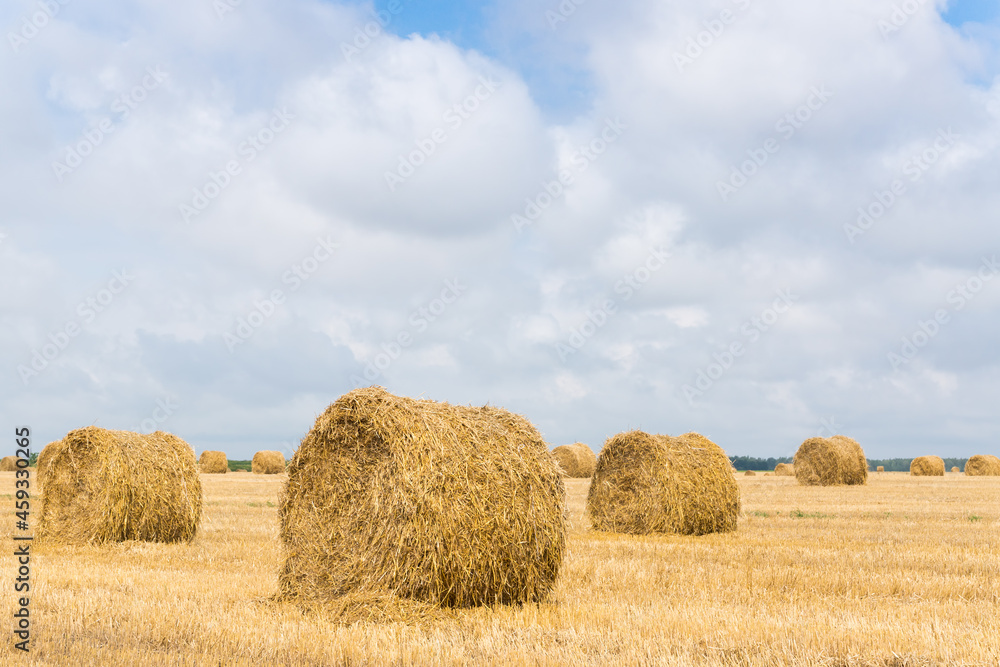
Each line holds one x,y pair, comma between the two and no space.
725,218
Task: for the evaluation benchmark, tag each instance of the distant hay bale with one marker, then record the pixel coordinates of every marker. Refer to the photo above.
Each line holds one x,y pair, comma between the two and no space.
767,474
660,484
44,458
110,486
983,465
576,460
240,470
213,462
8,463
268,463
956,469
830,461
880,469
927,466
750,473
784,470
423,501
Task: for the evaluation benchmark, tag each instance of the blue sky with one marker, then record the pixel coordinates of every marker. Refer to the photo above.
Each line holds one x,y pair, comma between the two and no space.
638,217
960,12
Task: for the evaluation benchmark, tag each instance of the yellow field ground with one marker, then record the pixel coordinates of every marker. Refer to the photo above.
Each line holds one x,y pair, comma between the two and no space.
904,571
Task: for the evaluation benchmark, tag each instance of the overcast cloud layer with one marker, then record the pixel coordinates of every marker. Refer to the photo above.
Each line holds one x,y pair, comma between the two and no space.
758,220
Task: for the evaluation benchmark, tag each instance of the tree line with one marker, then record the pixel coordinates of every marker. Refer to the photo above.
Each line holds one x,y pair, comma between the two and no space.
743,463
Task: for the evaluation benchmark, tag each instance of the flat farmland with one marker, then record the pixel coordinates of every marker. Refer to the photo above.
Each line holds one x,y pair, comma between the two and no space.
903,571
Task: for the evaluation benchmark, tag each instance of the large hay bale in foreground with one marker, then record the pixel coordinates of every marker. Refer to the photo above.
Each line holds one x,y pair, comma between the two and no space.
784,470
576,460
442,504
111,486
213,462
660,484
983,465
8,463
830,461
268,463
927,466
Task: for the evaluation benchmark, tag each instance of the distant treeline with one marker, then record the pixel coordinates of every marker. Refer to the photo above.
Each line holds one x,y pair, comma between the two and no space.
903,465
742,463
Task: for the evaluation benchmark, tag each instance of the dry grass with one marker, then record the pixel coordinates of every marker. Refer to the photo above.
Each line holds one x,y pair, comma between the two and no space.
902,571
830,462
576,460
214,463
268,462
927,466
435,503
784,470
647,483
985,465
46,455
112,486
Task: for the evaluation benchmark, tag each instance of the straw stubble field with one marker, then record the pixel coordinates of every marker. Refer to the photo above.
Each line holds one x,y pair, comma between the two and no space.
903,571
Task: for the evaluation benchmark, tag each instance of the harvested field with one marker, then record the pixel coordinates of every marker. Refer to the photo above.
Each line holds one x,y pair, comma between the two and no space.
806,569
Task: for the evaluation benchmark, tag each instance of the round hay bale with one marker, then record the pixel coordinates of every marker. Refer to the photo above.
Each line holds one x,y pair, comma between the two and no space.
767,474
880,469
927,466
749,473
784,470
660,484
983,465
576,460
8,463
415,499
213,462
830,461
268,463
43,460
110,486
956,469
240,470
